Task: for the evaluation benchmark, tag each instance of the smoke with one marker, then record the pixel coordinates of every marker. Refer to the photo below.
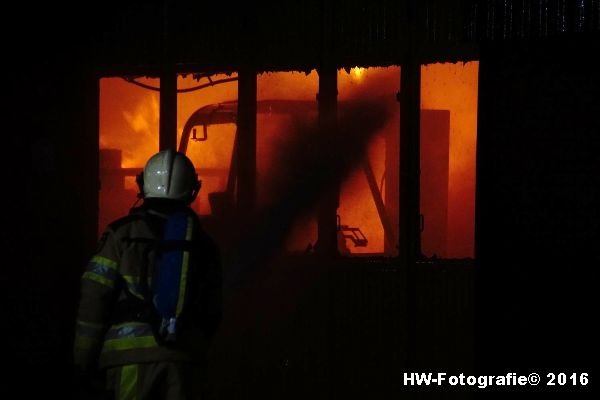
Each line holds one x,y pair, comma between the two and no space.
307,165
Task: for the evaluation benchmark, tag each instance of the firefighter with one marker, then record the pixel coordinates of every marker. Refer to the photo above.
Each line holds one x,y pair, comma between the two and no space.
137,276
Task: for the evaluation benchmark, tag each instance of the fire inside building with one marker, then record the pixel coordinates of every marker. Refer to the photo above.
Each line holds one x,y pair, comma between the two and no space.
394,186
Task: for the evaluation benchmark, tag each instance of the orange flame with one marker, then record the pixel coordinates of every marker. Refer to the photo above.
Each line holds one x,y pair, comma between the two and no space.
129,120
357,73
357,205
454,87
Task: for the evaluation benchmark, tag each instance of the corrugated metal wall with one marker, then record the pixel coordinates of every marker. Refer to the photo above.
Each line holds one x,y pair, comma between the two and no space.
309,331
301,35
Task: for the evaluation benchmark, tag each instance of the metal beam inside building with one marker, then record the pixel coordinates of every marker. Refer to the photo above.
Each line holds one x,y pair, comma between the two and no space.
410,235
327,212
246,162
168,110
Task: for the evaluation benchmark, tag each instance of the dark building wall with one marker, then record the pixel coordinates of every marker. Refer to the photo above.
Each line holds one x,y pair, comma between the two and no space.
435,150
537,204
50,157
288,35
50,219
50,107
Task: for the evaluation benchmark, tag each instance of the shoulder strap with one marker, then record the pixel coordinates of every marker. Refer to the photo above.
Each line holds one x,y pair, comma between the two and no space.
131,307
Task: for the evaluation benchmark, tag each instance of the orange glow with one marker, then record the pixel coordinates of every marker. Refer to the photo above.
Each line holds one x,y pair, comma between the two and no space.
214,154
288,86
129,122
271,130
357,206
357,73
453,87
129,117
128,137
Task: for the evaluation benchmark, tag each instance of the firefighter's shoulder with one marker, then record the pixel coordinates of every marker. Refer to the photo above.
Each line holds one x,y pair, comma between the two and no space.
118,224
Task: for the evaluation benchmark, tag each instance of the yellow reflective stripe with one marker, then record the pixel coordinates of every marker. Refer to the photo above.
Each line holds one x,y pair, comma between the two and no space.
133,284
129,331
132,324
184,268
130,279
188,232
89,329
86,342
90,324
129,343
128,382
98,278
183,282
104,261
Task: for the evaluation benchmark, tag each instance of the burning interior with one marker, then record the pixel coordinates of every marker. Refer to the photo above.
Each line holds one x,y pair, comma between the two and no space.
367,216
408,293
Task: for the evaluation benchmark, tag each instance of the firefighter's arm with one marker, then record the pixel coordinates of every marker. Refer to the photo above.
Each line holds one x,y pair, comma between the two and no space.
97,298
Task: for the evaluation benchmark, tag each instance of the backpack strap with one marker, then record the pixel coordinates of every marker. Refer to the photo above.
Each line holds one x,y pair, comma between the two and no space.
130,307
162,304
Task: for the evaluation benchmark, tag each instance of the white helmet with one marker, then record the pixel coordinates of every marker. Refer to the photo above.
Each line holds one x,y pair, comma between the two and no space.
169,175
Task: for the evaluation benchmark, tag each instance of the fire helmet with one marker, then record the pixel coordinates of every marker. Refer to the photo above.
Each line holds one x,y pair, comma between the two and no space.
169,175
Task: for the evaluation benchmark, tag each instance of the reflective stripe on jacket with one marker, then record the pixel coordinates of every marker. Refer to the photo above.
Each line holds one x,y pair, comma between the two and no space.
124,259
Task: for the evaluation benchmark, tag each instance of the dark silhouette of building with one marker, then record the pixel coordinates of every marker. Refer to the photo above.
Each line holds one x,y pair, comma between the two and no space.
323,326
